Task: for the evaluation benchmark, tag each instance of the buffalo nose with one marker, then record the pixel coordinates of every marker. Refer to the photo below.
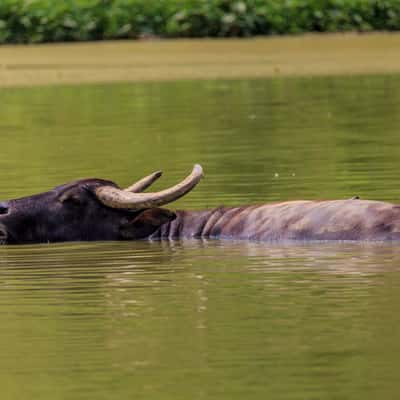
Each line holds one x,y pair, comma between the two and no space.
4,207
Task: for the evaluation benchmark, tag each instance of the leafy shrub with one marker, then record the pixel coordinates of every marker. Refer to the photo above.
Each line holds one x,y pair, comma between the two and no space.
33,21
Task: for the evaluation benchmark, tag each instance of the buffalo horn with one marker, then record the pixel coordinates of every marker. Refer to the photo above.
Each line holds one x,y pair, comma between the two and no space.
144,183
117,198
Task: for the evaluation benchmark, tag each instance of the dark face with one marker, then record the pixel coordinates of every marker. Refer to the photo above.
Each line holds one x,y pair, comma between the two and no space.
72,212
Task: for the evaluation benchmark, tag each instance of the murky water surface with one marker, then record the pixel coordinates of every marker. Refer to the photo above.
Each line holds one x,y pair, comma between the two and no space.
204,319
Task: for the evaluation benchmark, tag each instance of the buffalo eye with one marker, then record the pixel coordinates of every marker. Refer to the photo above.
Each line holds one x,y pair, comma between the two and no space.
4,208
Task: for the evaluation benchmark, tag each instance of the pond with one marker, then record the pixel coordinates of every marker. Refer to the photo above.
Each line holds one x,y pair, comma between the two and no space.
204,319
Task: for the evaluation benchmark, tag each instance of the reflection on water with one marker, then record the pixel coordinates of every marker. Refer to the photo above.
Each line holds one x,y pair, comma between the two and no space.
197,319
203,319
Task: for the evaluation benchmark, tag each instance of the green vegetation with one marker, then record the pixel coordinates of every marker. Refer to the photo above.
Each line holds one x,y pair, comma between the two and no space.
35,21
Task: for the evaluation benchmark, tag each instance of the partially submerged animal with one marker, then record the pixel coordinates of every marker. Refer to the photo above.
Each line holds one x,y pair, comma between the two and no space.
96,209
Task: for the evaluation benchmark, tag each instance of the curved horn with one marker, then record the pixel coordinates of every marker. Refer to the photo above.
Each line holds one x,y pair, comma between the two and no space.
117,198
144,183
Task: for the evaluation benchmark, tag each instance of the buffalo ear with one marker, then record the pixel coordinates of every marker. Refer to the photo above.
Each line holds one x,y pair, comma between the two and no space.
71,196
146,223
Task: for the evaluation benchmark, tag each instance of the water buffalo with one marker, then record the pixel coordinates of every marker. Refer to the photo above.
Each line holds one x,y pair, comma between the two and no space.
96,209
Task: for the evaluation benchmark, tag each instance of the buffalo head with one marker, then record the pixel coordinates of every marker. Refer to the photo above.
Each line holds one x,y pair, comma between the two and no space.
91,209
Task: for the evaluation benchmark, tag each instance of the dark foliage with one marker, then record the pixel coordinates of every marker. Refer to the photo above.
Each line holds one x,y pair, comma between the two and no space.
34,21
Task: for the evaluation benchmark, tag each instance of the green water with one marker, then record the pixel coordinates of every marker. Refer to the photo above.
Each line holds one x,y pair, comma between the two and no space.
204,319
